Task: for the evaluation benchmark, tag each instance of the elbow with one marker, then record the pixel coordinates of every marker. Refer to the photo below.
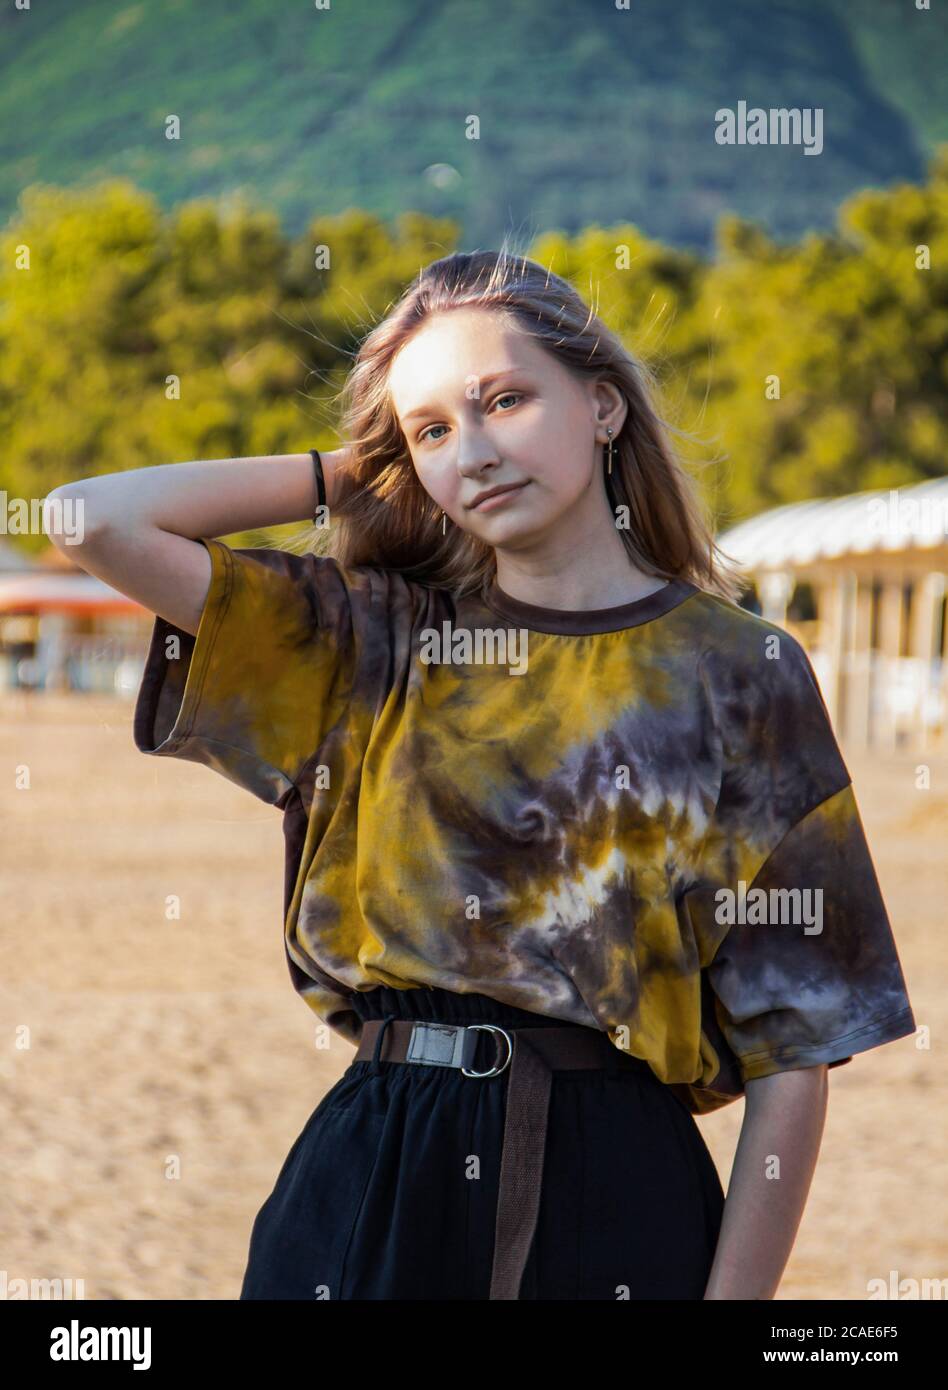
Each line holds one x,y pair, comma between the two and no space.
806,1084
68,518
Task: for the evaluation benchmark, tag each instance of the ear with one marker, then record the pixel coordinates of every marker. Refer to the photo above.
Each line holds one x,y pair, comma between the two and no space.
610,407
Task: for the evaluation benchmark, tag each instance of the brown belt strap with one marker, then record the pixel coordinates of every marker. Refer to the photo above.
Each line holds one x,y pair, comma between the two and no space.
537,1052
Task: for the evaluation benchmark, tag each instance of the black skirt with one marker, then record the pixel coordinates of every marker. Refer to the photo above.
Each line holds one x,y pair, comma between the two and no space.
390,1191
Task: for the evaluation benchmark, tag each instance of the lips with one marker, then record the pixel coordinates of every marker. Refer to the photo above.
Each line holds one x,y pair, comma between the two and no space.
497,494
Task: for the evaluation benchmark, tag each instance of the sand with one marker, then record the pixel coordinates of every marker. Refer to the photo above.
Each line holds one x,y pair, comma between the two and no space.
157,1065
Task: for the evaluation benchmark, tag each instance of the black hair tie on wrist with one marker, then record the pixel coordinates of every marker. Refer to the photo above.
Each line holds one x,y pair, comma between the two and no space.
320,482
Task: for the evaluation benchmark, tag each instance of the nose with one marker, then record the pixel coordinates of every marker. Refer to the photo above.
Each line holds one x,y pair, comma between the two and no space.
475,453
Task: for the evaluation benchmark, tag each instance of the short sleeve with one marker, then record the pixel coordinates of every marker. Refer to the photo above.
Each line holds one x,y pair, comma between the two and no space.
808,971
786,907
268,674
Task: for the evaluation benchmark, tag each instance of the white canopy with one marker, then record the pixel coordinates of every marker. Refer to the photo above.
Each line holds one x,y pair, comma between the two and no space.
888,519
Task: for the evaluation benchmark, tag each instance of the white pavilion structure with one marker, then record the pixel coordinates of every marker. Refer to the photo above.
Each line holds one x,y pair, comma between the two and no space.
861,580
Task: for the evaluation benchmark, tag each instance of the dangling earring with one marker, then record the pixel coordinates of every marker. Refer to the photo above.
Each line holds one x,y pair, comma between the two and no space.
612,449
444,523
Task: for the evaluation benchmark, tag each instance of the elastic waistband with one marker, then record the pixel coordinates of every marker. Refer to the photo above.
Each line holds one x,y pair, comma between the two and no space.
432,1005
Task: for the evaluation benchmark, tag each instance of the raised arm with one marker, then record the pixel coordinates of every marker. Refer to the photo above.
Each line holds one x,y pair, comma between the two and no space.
139,529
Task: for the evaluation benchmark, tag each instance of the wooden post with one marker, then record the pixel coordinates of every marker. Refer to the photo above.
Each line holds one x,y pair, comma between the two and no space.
929,589
775,588
890,638
835,600
860,664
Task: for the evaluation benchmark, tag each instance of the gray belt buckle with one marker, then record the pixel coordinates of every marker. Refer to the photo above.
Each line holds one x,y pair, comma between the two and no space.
437,1044
453,1045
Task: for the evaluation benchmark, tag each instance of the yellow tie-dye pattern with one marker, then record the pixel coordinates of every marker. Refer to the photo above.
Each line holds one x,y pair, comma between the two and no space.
555,838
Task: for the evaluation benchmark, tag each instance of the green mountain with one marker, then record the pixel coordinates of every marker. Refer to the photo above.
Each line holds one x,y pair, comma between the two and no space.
584,112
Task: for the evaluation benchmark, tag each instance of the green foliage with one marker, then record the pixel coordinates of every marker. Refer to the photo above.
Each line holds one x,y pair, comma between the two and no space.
848,334
128,338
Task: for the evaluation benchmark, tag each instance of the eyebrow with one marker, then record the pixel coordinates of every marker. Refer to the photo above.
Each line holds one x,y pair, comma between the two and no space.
487,380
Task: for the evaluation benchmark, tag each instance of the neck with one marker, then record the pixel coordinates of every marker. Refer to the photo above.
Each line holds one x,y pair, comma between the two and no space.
581,582
580,562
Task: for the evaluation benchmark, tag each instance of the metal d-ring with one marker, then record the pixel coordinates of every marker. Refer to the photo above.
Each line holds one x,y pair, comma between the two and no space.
495,1070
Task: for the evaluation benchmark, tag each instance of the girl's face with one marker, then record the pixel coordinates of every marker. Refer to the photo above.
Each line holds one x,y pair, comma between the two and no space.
481,406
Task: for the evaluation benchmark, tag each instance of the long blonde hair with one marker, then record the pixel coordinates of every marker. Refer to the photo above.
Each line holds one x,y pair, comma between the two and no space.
384,517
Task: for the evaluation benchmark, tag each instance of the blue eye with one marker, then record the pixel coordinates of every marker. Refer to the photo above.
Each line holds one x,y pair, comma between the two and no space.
507,395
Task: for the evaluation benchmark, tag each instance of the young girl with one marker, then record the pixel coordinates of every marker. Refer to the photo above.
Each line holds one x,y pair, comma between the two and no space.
572,853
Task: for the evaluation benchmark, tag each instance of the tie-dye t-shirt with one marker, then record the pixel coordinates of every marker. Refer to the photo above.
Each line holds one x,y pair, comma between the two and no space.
634,818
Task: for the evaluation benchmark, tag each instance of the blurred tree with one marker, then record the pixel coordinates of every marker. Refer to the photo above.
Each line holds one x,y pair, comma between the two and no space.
129,339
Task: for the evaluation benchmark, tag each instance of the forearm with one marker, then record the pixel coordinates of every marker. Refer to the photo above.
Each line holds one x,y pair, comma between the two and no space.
776,1156
206,498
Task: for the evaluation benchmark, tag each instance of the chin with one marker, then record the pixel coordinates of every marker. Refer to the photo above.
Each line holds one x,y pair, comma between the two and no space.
511,532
